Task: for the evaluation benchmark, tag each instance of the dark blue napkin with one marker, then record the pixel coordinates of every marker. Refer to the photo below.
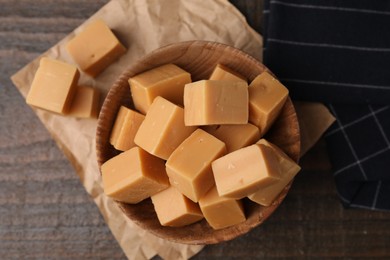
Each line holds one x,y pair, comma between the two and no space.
338,52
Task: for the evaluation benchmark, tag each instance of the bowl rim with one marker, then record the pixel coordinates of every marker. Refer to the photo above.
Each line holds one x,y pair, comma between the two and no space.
144,62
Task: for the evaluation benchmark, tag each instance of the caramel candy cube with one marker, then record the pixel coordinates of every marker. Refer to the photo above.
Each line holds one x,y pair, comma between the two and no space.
53,86
85,102
266,99
126,125
234,136
95,48
213,102
166,81
288,169
245,171
163,129
133,176
222,72
221,212
173,209
189,166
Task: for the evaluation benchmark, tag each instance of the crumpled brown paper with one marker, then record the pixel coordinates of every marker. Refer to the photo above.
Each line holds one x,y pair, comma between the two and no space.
314,118
141,26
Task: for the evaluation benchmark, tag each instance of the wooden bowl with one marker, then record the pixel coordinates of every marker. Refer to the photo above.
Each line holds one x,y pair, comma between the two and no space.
198,58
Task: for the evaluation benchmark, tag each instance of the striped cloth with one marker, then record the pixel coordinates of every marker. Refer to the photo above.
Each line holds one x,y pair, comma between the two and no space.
338,52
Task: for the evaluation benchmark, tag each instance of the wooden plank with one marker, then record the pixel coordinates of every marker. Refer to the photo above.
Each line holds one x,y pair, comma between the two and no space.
44,210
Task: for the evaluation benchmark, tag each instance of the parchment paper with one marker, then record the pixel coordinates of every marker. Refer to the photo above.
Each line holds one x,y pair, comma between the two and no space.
314,118
141,26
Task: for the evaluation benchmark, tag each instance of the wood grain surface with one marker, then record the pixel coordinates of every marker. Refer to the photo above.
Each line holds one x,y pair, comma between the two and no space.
45,212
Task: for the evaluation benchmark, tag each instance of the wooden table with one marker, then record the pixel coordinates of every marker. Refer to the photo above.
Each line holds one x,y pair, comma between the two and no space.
46,213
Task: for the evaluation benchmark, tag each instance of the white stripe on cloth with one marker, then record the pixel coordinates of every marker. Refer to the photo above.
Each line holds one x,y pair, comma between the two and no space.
379,126
350,145
373,113
332,8
378,187
332,83
361,161
329,45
